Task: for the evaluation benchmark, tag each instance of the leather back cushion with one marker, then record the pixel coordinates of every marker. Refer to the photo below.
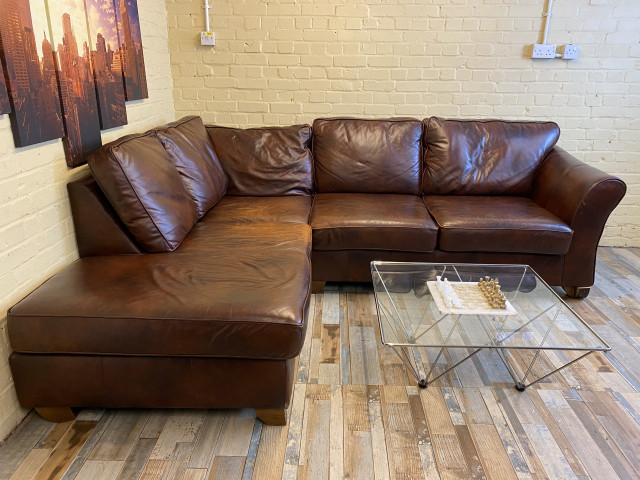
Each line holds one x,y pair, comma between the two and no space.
484,157
145,190
367,156
264,162
191,152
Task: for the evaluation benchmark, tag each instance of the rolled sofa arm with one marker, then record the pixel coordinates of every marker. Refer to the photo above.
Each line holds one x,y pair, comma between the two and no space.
583,197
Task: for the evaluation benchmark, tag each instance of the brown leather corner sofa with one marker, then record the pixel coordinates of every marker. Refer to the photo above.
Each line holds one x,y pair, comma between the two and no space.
196,255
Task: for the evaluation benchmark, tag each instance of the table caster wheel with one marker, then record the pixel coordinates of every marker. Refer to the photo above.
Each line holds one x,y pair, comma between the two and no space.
423,383
520,387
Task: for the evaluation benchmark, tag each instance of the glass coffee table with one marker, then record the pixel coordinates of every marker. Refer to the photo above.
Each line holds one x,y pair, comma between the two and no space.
431,305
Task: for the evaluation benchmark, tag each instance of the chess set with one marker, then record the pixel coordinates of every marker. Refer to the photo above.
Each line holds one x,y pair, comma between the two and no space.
483,297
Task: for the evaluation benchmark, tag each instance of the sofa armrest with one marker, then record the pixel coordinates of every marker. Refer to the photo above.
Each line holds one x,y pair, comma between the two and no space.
98,229
583,197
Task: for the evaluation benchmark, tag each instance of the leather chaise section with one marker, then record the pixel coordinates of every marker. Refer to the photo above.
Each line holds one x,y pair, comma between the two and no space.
497,224
221,300
342,221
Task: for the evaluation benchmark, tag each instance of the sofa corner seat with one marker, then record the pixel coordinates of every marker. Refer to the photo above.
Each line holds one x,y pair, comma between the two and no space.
140,328
214,319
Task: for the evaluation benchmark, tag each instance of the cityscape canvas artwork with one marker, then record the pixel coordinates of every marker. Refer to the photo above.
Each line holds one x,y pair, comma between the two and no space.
106,55
5,107
30,72
135,79
77,87
69,67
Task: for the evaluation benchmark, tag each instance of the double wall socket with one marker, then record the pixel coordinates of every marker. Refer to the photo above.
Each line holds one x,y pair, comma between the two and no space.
542,50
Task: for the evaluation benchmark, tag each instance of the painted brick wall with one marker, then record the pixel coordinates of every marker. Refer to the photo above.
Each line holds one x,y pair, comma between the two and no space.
289,61
36,230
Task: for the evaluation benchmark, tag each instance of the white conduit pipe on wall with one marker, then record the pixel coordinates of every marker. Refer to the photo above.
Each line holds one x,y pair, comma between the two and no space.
546,25
207,7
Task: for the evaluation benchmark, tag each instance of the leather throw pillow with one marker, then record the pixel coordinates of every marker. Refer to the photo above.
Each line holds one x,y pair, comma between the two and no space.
484,157
265,162
191,152
146,191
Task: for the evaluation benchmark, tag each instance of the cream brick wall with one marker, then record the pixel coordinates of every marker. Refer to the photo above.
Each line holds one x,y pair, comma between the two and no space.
36,230
289,61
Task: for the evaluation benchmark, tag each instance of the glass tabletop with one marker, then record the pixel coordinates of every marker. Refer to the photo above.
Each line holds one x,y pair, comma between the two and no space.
443,305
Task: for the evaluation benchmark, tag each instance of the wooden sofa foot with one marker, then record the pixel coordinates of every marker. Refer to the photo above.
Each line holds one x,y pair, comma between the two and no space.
577,292
272,416
56,414
317,287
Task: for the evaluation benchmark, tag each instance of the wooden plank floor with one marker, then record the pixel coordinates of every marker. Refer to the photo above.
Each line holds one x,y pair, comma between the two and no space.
356,414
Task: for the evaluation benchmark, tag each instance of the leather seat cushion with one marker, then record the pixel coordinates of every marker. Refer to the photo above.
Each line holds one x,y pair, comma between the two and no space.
353,221
291,208
244,300
191,152
207,237
497,224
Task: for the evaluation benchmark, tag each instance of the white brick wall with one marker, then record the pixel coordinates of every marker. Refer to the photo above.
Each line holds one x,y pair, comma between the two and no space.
36,230
289,61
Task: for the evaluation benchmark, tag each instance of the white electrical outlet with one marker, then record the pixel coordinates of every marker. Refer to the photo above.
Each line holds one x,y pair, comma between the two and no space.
207,38
570,52
542,50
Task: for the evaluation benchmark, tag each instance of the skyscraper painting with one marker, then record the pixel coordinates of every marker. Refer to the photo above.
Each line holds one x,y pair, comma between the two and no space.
4,96
77,88
67,67
134,76
107,65
30,72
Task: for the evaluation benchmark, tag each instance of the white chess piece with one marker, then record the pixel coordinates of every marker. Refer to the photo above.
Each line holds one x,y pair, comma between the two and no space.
449,296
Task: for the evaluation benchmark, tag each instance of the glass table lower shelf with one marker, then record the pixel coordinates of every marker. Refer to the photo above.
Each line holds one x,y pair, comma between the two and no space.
474,307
